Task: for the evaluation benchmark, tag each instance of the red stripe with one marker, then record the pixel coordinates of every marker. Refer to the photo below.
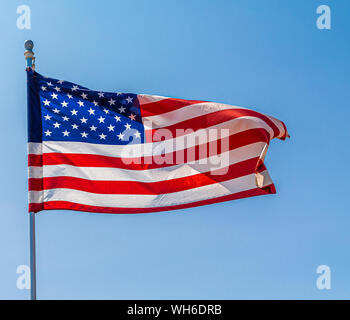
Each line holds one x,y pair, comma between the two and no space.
65,205
35,160
164,106
285,135
36,207
208,120
133,187
87,160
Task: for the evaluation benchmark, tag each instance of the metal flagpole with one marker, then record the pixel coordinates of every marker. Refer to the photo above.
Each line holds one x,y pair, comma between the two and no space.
30,63
32,256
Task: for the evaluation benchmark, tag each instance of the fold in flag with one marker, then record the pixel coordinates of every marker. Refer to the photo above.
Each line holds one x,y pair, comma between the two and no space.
128,153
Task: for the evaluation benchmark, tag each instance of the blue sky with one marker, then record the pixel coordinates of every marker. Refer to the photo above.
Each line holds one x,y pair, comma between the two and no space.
267,55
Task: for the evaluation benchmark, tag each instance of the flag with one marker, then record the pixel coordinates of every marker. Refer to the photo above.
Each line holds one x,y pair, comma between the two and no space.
114,152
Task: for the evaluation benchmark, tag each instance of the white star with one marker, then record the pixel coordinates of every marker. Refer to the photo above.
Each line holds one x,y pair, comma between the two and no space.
127,126
69,96
132,117
46,102
47,117
56,125
57,89
91,111
75,88
128,99
137,134
75,126
120,136
93,128
84,134
101,119
64,104
54,96
66,133
74,112
56,110
48,133
60,81
81,104
117,118
65,118
106,111
84,95
111,102
110,128
43,88
102,136
50,83
101,94
121,109
119,93
83,120
95,103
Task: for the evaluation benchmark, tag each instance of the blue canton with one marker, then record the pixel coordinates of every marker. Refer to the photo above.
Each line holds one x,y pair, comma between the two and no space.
73,113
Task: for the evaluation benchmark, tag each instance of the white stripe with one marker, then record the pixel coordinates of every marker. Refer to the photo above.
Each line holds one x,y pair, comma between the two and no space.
36,196
149,201
146,98
155,148
35,148
153,175
35,172
279,125
185,113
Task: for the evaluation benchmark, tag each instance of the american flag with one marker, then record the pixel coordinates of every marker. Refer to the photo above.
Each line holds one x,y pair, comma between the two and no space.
114,152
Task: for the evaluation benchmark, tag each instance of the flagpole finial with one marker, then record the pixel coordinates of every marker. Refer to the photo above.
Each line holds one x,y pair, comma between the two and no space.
29,54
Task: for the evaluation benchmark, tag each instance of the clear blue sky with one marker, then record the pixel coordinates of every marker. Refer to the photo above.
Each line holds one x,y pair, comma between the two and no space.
267,55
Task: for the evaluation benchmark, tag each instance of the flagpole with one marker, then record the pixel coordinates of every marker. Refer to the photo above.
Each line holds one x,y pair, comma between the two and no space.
32,256
30,63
